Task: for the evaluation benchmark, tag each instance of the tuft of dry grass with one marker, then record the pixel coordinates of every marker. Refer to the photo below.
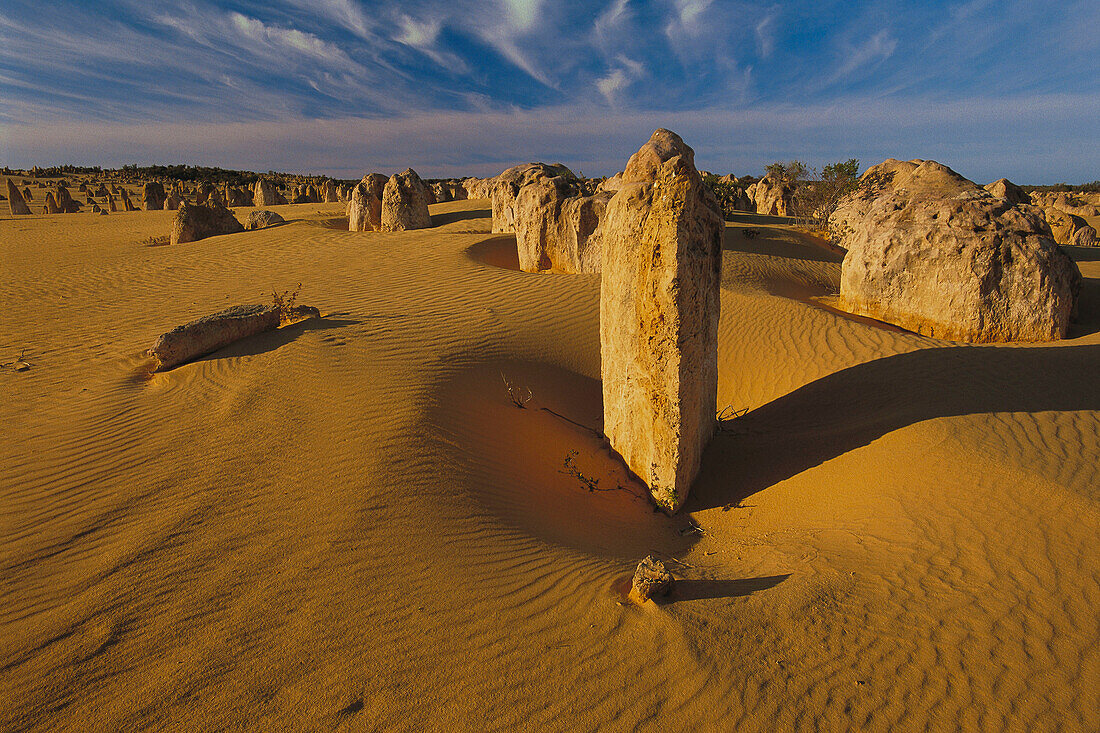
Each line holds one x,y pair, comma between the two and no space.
284,303
156,241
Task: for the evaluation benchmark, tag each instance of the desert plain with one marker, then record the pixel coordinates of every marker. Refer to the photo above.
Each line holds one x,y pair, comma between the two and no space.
348,524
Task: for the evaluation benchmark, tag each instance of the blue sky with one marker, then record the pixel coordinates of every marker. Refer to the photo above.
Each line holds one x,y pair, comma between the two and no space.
342,87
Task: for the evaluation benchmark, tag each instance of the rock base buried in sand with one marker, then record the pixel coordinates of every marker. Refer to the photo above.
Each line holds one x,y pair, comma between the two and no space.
937,254
651,579
405,203
210,333
263,219
199,221
661,245
15,201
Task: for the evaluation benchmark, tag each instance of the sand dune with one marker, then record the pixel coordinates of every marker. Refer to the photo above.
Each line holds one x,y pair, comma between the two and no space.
347,524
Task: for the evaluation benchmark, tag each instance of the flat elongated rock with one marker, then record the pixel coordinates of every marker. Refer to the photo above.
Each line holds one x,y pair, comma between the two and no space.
659,305
16,202
199,221
937,254
210,333
365,205
405,203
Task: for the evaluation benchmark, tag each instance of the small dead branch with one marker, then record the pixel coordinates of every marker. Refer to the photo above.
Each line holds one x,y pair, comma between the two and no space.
595,432
592,484
17,364
520,396
728,415
692,527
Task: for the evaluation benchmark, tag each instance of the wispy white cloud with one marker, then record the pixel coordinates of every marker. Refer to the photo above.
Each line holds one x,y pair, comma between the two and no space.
878,47
280,40
765,34
522,14
612,84
979,138
131,62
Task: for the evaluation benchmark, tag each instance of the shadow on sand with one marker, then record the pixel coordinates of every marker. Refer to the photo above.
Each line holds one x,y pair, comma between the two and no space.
497,252
264,342
696,590
778,243
450,217
1082,254
851,408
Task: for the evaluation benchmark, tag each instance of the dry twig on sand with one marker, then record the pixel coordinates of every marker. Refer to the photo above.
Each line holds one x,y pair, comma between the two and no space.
592,484
18,364
728,415
520,396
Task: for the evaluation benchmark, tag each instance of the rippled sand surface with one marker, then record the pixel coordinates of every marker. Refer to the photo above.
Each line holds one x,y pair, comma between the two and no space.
346,524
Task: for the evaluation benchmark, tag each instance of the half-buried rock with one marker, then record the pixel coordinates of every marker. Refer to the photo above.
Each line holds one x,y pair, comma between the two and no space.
199,221
651,578
210,333
405,203
659,305
263,219
937,254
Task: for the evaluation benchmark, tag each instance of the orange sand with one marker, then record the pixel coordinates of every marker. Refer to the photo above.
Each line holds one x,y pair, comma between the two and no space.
347,524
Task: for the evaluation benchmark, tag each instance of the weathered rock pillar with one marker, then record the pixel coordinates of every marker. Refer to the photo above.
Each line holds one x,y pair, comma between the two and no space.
659,306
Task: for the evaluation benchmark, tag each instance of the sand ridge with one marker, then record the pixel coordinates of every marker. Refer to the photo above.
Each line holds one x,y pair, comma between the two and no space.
347,524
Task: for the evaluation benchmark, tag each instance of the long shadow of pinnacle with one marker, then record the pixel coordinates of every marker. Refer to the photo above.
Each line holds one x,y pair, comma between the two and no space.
855,406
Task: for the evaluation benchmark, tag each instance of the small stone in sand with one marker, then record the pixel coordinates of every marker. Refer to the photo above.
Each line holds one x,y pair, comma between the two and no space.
651,578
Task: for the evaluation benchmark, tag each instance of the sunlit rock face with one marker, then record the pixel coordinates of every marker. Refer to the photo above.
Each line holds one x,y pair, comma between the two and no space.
659,306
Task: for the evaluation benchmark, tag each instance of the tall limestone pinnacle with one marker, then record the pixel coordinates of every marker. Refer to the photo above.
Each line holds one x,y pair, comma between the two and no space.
659,308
